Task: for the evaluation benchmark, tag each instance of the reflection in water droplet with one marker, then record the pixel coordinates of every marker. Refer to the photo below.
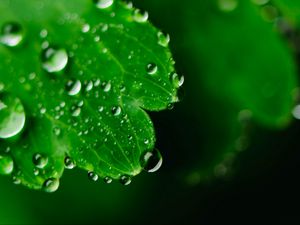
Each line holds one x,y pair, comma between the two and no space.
139,16
116,110
69,163
151,161
163,40
73,87
125,180
92,176
152,68
108,180
39,160
11,34
6,165
103,4
51,185
12,116
54,59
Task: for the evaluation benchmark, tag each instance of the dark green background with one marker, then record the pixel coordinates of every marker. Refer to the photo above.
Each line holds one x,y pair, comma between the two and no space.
262,187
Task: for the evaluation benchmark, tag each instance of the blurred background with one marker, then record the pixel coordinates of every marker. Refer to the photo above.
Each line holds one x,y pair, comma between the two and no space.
230,147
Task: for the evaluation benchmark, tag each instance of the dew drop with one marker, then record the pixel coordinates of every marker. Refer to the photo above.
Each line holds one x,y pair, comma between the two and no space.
89,86
106,86
39,160
177,80
227,5
170,106
69,163
51,185
108,180
16,180
103,4
11,34
125,180
139,16
116,110
85,28
73,87
76,112
152,68
92,176
151,161
163,40
12,116
54,59
56,131
6,165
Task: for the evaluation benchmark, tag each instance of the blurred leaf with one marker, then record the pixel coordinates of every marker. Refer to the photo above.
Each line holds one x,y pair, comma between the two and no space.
81,74
290,8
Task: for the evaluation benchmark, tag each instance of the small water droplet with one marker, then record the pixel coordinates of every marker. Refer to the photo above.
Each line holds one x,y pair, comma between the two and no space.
73,87
16,180
163,40
69,163
54,59
43,33
92,176
12,116
85,28
170,106
103,4
56,131
125,180
11,34
108,180
76,112
139,16
227,5
151,68
51,185
116,110
6,165
39,160
151,161
89,86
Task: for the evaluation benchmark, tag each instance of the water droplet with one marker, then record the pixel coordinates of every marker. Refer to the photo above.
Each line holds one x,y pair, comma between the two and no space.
43,33
16,180
125,180
54,59
170,106
56,131
11,34
12,116
89,86
6,165
227,5
139,16
93,176
73,87
106,86
69,163
76,112
108,180
116,110
51,185
85,28
151,161
103,4
163,39
39,160
152,68
177,80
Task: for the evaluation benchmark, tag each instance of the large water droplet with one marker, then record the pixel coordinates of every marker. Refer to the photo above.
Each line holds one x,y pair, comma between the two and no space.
12,116
11,34
163,40
73,87
69,163
103,4
6,165
152,68
125,180
39,160
54,59
139,16
177,80
51,185
92,176
151,161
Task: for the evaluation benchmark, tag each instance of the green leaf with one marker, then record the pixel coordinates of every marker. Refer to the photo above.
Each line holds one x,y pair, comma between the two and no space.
82,73
290,8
